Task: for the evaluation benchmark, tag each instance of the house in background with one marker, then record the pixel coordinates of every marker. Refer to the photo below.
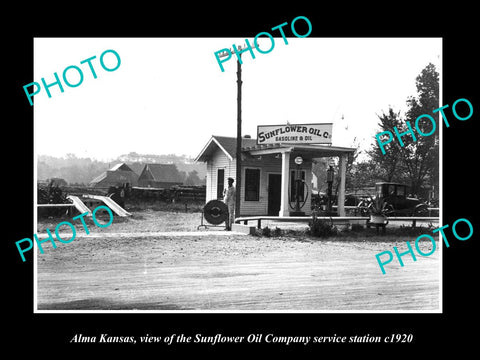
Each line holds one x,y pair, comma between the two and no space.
160,176
116,176
55,181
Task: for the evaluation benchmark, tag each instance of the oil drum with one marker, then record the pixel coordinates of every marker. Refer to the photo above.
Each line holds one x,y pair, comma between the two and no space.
215,212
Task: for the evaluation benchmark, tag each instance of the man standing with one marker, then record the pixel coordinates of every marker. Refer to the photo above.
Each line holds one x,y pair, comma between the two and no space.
230,201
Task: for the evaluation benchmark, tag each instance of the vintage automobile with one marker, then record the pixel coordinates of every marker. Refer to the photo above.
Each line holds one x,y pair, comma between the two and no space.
395,200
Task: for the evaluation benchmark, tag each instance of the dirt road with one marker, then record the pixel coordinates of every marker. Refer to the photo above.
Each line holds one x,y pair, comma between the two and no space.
232,272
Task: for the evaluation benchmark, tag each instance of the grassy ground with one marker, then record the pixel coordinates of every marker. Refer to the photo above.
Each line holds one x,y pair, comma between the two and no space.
174,217
148,220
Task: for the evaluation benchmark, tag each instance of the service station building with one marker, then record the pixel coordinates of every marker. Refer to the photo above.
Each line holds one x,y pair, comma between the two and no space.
271,166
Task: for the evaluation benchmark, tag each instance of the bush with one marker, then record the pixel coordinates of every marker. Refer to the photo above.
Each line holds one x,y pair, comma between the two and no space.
321,228
267,232
277,232
357,227
407,230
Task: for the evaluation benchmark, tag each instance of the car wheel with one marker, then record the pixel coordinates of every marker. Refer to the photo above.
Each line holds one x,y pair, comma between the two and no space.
388,210
421,210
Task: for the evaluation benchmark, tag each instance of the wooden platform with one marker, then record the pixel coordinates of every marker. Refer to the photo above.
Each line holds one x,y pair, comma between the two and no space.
334,219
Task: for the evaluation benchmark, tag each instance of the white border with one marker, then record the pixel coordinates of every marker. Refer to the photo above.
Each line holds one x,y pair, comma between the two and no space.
439,310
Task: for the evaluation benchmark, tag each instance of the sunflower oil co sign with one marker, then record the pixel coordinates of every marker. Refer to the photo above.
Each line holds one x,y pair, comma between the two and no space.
295,134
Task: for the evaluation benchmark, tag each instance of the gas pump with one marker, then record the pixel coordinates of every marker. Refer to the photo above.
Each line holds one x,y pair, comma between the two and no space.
299,185
330,177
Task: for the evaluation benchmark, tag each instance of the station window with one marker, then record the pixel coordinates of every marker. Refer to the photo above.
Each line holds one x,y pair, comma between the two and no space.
220,183
252,184
391,189
401,191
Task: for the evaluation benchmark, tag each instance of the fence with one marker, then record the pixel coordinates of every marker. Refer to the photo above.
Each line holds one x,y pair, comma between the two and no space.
173,194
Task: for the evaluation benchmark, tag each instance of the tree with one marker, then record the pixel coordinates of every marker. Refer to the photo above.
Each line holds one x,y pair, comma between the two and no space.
351,160
363,175
417,160
319,168
422,157
192,178
389,164
183,175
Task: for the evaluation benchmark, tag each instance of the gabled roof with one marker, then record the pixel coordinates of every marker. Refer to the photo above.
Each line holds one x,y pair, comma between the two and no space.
119,173
110,177
137,167
163,172
227,144
121,166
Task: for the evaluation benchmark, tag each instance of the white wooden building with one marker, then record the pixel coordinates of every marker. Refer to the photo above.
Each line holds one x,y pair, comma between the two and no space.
268,173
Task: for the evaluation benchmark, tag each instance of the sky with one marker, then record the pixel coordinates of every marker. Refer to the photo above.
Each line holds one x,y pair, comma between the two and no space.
169,95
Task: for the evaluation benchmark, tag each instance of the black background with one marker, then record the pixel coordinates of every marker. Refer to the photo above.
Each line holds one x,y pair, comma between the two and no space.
49,334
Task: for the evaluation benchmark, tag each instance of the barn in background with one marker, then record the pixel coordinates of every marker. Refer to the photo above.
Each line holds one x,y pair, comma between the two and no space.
160,176
116,176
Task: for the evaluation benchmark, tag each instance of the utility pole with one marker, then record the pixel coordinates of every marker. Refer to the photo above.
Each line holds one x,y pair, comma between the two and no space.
238,167
239,139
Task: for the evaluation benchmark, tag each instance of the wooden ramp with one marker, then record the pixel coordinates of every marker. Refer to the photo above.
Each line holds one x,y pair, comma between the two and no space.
79,205
111,204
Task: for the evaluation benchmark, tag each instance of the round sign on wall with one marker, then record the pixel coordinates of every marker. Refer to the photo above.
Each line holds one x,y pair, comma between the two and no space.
298,160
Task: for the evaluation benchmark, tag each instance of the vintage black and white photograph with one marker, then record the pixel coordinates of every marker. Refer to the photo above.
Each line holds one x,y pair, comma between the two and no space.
257,174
